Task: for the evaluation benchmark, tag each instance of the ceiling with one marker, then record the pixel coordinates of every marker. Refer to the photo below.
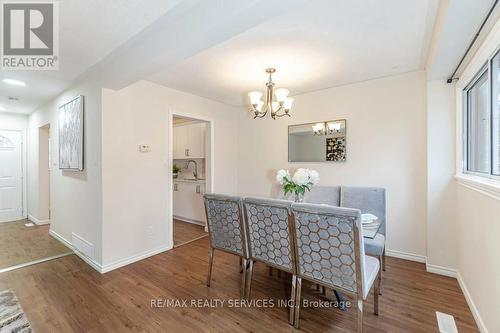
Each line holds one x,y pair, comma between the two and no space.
88,31
219,50
321,44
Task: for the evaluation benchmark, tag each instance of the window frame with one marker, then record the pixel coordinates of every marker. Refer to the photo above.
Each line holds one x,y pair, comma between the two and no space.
485,68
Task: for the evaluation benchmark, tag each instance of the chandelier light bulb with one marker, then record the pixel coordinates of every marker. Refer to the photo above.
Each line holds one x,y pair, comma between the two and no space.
288,103
281,94
276,106
255,97
259,106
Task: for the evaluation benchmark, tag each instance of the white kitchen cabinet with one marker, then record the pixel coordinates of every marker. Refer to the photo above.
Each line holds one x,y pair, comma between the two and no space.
188,201
189,141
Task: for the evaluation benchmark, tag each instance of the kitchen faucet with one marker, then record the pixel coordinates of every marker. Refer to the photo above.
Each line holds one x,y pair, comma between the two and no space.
195,173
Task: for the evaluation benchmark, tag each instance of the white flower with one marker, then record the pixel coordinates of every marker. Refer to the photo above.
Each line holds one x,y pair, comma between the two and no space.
314,177
301,177
281,175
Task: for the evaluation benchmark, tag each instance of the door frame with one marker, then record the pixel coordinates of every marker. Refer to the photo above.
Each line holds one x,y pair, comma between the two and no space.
209,172
23,167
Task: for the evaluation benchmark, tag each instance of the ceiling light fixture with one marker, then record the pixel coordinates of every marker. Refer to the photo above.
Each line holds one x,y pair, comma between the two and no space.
14,82
2,108
277,102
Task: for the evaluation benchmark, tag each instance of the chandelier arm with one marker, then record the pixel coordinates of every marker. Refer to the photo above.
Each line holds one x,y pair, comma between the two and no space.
282,115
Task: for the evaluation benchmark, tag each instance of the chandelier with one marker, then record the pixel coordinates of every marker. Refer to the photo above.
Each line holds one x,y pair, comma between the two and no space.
277,102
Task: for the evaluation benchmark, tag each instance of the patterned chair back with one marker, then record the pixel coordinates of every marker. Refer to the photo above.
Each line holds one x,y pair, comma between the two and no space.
269,232
329,245
367,200
225,223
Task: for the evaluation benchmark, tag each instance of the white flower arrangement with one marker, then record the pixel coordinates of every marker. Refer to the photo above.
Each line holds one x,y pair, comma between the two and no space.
303,180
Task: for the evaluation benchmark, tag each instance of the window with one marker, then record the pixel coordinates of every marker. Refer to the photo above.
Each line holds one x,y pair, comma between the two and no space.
495,114
482,121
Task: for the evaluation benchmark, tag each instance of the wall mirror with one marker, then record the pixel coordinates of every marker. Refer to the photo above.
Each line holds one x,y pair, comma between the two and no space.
317,142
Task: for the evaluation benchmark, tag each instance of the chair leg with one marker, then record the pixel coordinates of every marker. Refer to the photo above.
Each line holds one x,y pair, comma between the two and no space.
243,277
317,287
383,260
298,300
323,290
210,262
292,298
376,292
360,315
251,263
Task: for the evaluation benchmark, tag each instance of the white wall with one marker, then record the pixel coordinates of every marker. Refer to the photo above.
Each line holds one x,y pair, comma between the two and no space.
75,196
136,185
13,121
386,146
441,185
478,217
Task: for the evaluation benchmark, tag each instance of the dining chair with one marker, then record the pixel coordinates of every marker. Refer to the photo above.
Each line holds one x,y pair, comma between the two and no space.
329,195
268,230
369,200
226,230
329,251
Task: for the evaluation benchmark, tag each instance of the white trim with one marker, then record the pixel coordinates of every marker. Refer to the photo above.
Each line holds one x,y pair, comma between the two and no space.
94,264
485,186
60,238
187,220
127,261
190,241
441,270
24,166
111,266
8,269
209,157
37,221
472,306
406,255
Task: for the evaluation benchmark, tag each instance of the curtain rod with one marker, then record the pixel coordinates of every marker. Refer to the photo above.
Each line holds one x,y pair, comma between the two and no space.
452,77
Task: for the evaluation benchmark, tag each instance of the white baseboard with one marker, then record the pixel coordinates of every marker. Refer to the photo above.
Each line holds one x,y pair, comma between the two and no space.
127,261
94,264
60,238
446,271
37,221
111,266
472,306
185,219
405,255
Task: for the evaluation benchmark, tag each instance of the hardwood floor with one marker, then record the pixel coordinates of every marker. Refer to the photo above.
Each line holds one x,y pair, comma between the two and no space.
185,232
66,295
20,244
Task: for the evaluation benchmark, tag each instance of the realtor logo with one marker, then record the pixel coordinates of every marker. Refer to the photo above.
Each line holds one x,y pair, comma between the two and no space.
29,35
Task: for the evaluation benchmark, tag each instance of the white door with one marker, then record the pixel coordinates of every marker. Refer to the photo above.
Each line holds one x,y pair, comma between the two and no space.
11,176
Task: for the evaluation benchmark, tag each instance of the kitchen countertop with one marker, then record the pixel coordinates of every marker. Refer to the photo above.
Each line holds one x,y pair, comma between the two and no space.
181,180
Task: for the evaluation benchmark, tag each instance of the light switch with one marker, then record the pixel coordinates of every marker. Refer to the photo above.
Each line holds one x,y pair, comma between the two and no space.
144,148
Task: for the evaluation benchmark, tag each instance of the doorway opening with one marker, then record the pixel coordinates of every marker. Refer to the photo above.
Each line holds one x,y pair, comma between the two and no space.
191,166
26,242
